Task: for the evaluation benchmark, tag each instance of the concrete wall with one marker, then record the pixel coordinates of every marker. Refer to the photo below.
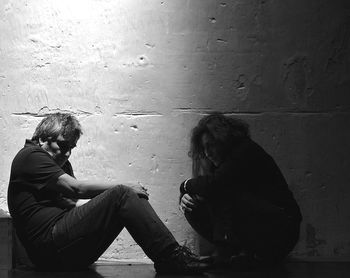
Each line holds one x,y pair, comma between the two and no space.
139,74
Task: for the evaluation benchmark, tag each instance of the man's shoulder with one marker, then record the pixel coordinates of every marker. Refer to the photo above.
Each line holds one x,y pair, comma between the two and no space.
67,167
28,149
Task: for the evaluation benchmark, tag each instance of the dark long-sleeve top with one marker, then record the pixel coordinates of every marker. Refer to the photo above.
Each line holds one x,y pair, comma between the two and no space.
247,168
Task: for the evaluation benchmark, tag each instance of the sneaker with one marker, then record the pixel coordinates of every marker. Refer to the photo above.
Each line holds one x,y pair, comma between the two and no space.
181,261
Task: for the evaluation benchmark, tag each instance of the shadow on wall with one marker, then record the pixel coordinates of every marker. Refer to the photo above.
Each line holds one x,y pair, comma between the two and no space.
283,67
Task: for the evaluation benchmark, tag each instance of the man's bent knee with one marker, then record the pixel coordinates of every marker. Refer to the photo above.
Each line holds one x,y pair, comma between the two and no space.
120,192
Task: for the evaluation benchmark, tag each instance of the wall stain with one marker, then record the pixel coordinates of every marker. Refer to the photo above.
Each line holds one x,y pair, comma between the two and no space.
221,41
239,83
135,114
45,111
141,61
296,80
312,242
212,20
340,49
150,45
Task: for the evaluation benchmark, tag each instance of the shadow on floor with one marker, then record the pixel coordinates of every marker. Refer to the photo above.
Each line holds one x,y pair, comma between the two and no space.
124,270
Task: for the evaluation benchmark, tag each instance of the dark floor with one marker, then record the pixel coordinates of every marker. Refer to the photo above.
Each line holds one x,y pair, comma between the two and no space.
104,270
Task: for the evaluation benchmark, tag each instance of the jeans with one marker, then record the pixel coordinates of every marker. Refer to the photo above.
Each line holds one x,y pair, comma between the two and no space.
246,222
85,232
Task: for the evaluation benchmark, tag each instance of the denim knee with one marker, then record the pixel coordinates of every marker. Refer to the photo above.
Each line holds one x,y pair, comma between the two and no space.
120,193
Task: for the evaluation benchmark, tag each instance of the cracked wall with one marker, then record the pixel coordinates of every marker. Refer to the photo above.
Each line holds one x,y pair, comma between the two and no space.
139,75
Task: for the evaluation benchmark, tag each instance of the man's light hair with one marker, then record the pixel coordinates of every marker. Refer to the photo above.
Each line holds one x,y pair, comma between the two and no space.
57,124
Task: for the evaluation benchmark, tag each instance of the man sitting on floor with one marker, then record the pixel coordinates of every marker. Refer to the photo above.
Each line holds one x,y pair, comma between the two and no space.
57,234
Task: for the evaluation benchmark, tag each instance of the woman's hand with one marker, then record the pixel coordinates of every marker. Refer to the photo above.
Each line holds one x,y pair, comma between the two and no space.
187,203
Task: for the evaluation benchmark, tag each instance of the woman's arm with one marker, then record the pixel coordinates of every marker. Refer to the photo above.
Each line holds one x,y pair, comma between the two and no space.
207,185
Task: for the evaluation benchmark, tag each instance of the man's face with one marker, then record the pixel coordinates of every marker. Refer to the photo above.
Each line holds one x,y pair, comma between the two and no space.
60,149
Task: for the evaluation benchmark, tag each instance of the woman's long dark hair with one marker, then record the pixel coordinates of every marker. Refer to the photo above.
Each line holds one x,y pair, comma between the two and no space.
225,131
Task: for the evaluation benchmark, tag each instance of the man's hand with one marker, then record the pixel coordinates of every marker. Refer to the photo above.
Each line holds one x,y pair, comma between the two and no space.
187,203
140,190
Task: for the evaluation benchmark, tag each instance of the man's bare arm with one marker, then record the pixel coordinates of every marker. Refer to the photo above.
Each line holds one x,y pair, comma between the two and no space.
86,189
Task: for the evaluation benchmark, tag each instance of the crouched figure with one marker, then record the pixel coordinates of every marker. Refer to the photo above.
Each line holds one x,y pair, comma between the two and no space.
238,198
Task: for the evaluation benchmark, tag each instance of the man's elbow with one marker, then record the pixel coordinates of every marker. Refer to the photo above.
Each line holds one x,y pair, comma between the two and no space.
82,191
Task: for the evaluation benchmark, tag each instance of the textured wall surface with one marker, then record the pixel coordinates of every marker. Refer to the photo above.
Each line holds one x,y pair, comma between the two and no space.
139,74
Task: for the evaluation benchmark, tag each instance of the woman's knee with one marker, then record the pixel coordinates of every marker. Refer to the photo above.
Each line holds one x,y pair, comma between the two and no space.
197,214
201,223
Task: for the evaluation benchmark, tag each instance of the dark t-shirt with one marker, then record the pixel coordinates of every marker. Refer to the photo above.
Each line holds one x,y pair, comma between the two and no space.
248,168
33,207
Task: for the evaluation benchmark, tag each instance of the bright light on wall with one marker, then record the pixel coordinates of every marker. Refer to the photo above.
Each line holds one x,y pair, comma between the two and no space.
74,10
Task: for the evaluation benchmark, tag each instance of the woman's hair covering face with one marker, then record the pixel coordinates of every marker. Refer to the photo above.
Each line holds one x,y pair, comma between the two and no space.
225,131
57,124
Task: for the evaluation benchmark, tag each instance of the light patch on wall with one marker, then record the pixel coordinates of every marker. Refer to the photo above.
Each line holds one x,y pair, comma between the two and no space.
74,10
